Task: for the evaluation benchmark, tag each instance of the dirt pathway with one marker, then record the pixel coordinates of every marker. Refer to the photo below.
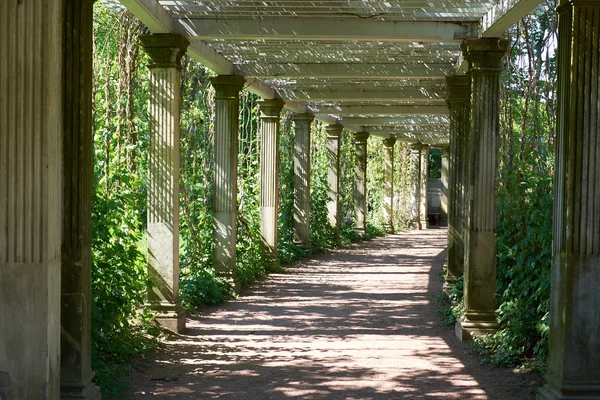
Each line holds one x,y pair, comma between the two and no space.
359,323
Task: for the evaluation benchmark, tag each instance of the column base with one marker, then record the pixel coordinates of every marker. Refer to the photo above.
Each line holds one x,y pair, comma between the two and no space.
232,279
547,392
466,329
170,316
304,246
360,231
85,390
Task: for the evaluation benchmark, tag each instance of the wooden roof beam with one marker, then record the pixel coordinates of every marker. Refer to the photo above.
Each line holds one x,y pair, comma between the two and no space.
319,29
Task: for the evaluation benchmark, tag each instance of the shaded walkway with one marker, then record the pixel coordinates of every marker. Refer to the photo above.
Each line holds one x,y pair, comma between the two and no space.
359,323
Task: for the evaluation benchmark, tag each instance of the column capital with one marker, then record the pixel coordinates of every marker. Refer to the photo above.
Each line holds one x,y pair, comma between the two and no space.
416,147
303,118
445,151
459,89
361,137
566,5
164,49
389,142
485,55
227,87
334,131
270,108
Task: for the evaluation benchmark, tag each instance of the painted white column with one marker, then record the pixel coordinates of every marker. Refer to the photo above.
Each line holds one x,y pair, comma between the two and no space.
78,145
574,356
165,52
424,180
360,182
459,103
333,176
227,98
303,123
388,183
270,111
485,57
31,177
415,183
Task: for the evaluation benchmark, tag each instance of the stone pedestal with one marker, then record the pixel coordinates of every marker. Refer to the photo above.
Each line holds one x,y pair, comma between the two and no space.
302,178
459,104
165,52
388,184
32,96
424,180
415,183
76,295
574,357
270,111
227,98
360,182
485,57
333,177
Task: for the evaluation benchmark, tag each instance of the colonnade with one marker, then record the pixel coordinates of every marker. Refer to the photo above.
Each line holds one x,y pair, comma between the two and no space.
46,184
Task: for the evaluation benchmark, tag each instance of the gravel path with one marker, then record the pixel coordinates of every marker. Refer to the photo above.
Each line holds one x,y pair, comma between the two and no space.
358,323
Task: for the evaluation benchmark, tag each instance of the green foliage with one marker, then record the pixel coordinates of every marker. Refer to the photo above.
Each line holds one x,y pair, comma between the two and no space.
403,185
288,250
322,237
119,280
525,196
372,231
435,163
451,303
199,283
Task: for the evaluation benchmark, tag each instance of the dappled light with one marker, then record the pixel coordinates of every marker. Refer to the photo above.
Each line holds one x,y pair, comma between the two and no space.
359,323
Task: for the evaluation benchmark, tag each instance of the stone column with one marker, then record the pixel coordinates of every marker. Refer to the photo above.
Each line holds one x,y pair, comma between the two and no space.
303,124
270,111
415,183
76,295
445,179
485,57
165,52
459,103
573,361
424,199
227,97
32,97
360,182
333,176
388,183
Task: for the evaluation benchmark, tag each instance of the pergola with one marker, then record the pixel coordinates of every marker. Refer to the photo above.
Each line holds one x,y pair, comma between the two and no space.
422,71
360,64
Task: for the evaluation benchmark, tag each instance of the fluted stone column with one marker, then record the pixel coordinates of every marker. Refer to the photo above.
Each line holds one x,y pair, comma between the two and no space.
424,179
32,97
485,57
303,123
360,182
227,97
459,104
76,295
574,356
388,183
333,176
415,183
165,52
270,111
445,179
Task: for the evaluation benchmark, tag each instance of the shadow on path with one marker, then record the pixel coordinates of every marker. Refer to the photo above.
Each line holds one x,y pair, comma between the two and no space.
359,323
